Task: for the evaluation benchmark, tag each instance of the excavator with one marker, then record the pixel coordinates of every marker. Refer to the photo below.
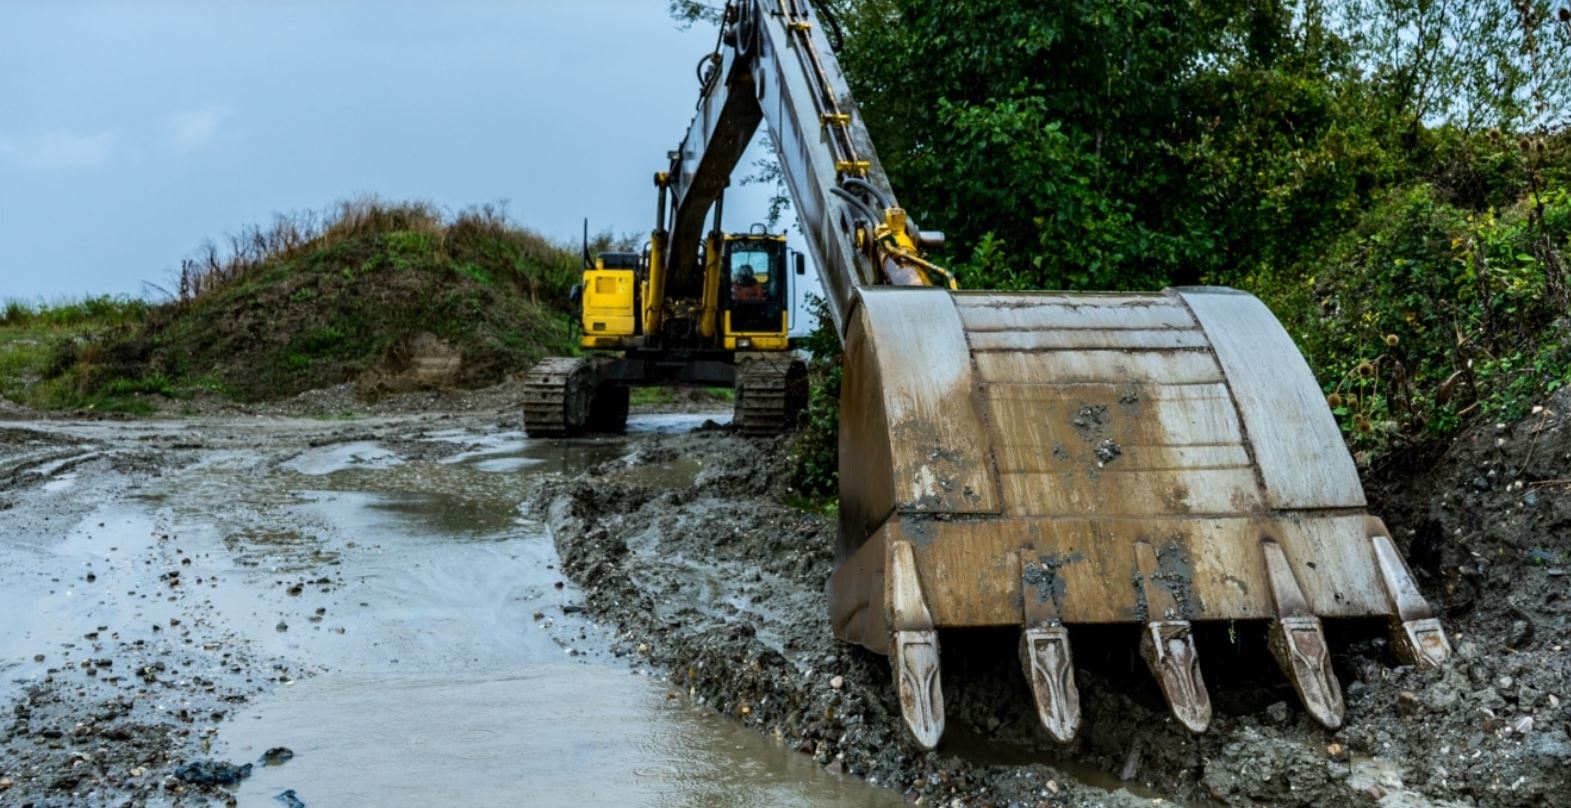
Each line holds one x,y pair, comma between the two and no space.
1042,460
725,321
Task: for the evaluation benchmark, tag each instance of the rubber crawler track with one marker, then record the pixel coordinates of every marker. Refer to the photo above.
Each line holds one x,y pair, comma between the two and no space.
769,395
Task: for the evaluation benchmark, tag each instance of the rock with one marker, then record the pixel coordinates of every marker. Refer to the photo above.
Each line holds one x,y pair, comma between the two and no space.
277,756
290,799
837,682
6,782
1480,484
1521,634
836,766
211,773
1278,712
1407,703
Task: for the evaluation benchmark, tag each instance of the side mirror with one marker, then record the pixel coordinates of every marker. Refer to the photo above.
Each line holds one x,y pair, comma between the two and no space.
801,264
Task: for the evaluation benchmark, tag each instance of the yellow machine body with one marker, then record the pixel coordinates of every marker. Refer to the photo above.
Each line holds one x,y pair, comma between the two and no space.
608,307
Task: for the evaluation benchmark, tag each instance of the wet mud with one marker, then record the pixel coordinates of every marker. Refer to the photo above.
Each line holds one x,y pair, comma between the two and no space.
720,584
425,608
273,610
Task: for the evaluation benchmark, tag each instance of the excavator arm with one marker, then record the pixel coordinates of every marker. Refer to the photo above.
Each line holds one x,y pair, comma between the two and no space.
1044,459
775,65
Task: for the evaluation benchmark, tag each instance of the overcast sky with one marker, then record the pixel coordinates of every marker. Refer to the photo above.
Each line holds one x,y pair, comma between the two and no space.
132,131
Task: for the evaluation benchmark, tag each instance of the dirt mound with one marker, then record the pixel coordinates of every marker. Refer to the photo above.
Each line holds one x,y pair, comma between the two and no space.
722,585
392,297
422,361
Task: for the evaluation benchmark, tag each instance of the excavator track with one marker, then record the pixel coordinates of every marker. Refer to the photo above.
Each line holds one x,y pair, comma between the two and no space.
770,393
557,396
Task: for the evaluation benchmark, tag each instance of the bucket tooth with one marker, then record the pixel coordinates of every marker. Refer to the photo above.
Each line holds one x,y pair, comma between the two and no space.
915,649
1298,641
1416,634
921,695
1168,646
1169,650
1050,668
1044,652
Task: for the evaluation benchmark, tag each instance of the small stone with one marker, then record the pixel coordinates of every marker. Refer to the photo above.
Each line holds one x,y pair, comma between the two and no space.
6,782
835,766
1504,683
1407,703
277,756
1277,712
138,771
1480,484
282,626
1521,634
837,682
1334,749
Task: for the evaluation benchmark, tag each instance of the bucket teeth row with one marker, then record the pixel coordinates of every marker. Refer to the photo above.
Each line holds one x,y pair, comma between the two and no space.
1296,640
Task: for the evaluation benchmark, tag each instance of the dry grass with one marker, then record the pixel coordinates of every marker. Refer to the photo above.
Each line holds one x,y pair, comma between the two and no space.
472,234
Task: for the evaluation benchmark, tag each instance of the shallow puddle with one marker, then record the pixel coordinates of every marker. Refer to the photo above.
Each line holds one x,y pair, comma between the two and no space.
550,734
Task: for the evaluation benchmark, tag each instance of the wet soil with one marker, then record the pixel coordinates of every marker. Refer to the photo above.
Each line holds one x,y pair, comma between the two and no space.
426,608
720,584
184,598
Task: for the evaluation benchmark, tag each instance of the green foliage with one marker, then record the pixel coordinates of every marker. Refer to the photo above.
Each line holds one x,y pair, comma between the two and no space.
1372,169
1427,313
815,451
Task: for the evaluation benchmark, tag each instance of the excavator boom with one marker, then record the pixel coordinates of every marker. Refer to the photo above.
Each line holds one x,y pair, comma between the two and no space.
1046,459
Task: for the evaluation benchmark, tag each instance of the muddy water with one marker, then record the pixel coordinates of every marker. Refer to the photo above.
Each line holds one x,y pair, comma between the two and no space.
548,733
431,653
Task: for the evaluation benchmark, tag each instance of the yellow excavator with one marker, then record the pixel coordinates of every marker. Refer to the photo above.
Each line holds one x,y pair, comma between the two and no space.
1044,459
725,321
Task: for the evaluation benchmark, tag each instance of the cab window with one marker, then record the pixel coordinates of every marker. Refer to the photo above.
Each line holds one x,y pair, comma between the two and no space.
751,278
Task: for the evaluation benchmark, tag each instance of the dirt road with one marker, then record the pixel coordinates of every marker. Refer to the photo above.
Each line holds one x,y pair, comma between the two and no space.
365,593
427,608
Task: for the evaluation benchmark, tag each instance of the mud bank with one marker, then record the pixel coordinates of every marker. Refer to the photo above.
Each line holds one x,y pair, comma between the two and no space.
720,584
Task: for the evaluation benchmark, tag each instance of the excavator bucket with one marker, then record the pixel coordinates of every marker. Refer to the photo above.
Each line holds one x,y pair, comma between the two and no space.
1040,460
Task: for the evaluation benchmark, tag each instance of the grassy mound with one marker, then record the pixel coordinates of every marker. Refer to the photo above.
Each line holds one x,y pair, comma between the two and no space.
369,292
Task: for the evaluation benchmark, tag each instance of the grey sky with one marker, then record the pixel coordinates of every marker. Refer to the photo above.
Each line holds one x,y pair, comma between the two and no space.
130,132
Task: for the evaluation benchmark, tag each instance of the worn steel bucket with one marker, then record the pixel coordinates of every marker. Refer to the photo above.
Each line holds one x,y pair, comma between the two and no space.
1044,459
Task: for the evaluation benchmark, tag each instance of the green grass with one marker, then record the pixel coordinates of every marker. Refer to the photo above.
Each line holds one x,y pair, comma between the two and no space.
650,396
303,303
664,396
36,340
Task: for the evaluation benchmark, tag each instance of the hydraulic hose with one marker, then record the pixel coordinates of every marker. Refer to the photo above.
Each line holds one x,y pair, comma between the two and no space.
858,182
858,203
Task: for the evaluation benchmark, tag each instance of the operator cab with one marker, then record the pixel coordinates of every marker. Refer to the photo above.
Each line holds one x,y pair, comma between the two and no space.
757,299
